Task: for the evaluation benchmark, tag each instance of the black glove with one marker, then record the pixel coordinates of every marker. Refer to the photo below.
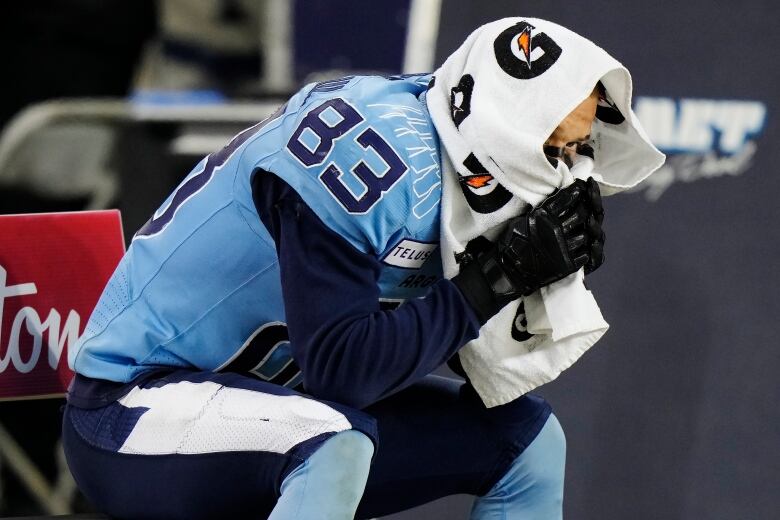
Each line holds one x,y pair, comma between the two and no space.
593,228
553,240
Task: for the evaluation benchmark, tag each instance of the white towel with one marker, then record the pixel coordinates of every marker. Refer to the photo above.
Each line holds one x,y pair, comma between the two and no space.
494,103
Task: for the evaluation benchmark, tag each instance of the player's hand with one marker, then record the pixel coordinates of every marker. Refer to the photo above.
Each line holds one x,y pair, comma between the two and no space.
555,239
595,233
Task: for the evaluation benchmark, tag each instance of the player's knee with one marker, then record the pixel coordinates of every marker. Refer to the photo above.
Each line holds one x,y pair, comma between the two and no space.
539,470
545,458
353,448
532,486
554,437
330,484
349,454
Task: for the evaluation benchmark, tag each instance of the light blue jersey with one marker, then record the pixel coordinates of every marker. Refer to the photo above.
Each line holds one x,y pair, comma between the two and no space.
199,286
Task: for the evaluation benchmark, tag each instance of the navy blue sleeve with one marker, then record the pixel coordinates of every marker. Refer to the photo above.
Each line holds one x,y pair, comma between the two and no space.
348,349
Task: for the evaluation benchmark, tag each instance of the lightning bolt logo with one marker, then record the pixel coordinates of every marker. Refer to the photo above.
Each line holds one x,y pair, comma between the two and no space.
479,177
524,43
477,181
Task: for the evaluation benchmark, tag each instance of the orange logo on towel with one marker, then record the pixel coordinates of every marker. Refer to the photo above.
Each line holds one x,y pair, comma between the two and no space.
478,181
524,42
482,201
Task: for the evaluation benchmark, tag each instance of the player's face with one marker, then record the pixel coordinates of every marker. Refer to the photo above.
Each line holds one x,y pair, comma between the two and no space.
573,132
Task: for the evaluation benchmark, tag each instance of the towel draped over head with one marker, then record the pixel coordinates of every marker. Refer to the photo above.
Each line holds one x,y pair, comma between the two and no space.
494,103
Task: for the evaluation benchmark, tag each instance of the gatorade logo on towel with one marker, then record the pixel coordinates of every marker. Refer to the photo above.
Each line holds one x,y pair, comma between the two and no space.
523,54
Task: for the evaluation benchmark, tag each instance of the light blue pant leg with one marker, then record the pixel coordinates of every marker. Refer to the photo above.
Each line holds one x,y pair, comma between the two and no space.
330,483
532,488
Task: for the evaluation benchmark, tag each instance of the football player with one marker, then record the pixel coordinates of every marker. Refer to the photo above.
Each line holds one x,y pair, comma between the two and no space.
249,357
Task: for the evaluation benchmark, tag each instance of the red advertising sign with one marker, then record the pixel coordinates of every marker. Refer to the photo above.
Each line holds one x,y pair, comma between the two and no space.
53,267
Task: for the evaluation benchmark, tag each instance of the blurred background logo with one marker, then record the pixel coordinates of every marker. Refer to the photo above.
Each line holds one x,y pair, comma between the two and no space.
703,138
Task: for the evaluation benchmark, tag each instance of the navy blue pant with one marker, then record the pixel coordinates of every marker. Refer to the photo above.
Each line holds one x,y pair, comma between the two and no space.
435,439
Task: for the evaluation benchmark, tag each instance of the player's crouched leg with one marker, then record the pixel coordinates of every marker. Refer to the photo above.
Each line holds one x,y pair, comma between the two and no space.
330,483
532,487
201,445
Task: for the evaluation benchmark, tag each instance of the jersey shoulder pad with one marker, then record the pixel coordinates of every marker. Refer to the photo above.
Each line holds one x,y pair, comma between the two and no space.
363,154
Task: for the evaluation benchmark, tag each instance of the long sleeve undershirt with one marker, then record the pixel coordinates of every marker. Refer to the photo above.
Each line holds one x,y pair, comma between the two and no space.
348,349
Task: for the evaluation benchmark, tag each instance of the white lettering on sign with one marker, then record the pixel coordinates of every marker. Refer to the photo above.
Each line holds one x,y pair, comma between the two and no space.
703,138
689,167
29,318
700,125
409,254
